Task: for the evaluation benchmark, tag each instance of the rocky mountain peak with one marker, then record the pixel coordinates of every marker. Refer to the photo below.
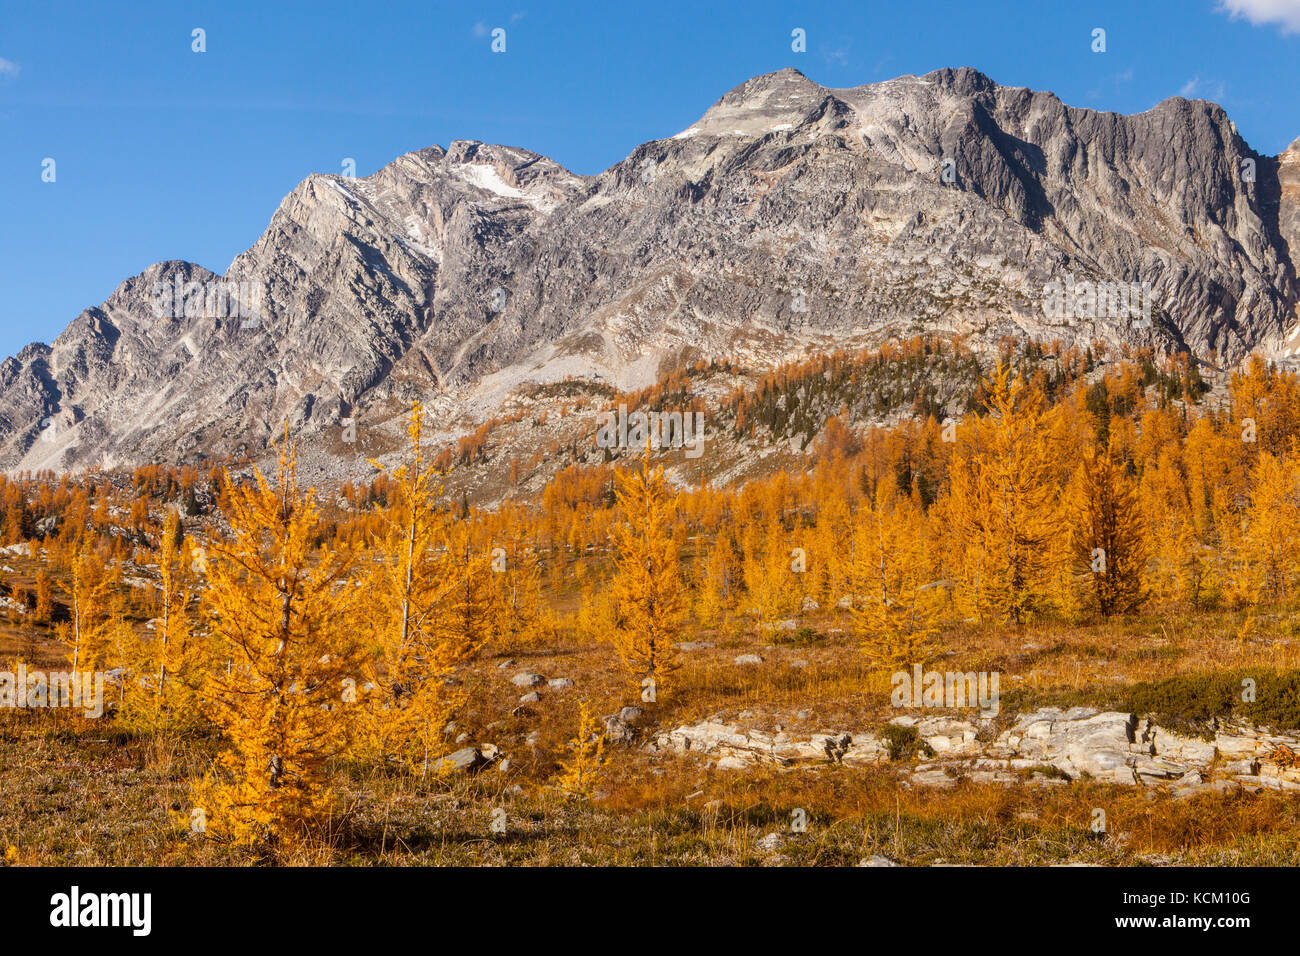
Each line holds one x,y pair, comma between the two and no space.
790,218
771,102
962,81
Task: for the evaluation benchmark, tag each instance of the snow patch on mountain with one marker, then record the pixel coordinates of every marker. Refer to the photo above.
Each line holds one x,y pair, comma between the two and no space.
485,177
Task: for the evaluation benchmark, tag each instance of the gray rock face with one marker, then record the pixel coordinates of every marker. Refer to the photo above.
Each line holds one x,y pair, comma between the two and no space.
742,748
1081,742
789,217
1282,190
618,730
468,759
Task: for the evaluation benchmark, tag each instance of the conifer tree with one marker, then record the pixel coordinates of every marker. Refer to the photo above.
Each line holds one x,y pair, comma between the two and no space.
43,584
597,617
470,606
166,670
719,584
90,582
415,647
1273,528
831,548
769,578
647,588
1003,503
584,753
283,616
518,617
894,607
1108,534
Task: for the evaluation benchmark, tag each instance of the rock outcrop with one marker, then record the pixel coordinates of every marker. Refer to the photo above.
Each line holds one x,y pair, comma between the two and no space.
1046,746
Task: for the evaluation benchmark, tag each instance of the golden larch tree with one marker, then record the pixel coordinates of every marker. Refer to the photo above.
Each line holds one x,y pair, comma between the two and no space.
166,669
1003,506
89,584
1109,537
581,757
1272,542
771,580
647,588
719,581
895,605
518,610
415,645
283,616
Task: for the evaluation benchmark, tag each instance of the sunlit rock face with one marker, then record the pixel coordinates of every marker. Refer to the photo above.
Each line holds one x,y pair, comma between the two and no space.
789,218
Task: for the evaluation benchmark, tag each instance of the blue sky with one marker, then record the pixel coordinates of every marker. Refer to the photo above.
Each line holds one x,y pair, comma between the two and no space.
164,153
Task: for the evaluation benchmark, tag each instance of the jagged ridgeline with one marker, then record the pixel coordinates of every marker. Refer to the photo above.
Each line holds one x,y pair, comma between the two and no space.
790,220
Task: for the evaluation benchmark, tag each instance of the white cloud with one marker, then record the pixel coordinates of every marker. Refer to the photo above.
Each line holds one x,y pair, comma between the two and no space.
1195,88
8,67
837,54
1258,12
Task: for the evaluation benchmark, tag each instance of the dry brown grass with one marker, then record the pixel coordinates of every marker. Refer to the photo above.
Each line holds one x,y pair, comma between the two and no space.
73,799
79,792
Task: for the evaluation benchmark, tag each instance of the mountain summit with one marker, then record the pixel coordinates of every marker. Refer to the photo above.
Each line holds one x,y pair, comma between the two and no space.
790,217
